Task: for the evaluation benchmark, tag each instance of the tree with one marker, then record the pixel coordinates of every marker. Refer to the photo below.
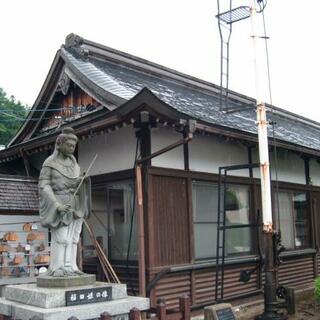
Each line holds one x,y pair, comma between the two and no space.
12,115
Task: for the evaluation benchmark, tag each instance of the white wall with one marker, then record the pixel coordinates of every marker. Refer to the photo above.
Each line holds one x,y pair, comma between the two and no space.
116,151
290,166
208,153
315,172
162,137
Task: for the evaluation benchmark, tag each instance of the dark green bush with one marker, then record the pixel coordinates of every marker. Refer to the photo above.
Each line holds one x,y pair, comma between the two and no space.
317,287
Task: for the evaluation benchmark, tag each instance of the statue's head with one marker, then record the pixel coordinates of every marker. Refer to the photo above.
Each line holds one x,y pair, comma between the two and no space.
66,141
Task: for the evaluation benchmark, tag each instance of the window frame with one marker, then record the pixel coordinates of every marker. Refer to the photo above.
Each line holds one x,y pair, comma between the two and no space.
252,225
294,190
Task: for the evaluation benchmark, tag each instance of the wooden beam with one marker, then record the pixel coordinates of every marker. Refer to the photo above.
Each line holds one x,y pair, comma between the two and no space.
186,152
141,237
26,163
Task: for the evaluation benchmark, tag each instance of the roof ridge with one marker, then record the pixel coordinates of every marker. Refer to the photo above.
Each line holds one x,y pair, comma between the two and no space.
101,51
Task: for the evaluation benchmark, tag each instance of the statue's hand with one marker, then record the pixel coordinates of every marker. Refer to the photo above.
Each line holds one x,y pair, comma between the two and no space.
64,208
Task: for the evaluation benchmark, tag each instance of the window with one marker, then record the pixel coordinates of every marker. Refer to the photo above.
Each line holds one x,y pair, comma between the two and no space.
120,210
205,218
238,213
294,219
205,207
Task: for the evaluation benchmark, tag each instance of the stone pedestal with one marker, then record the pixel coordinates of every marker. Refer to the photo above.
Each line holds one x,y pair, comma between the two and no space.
28,300
66,282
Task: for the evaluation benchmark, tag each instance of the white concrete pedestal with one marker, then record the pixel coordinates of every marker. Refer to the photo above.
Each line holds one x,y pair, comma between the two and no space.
26,301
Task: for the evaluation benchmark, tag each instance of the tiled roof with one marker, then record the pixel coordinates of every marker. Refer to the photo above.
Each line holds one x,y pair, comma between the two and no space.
125,81
18,194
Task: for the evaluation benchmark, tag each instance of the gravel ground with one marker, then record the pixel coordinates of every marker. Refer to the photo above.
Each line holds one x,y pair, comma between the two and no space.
306,309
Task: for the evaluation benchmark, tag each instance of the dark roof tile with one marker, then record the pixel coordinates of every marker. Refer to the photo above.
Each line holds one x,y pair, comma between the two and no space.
18,194
125,82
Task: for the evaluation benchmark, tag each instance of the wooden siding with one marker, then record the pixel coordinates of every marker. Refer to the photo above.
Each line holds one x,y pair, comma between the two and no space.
169,227
199,285
205,284
318,265
297,272
130,277
172,287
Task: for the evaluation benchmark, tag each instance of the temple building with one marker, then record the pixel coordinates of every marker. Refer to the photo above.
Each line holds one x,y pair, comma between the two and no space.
160,232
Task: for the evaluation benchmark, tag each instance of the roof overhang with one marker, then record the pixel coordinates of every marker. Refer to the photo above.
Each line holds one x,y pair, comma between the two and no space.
145,100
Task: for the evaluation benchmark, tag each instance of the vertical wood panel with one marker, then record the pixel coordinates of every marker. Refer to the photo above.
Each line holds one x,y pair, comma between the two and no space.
74,102
170,221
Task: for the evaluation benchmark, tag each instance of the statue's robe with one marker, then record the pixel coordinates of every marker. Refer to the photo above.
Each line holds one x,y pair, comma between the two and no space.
57,185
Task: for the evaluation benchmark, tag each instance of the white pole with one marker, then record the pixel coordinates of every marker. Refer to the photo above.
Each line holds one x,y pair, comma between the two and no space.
262,129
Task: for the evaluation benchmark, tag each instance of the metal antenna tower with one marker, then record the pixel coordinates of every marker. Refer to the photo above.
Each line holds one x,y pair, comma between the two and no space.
225,21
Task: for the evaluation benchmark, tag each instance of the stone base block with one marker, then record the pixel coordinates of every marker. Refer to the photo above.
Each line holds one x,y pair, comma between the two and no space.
66,282
30,294
117,308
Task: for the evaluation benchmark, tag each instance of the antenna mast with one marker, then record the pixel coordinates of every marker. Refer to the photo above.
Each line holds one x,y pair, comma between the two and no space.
225,21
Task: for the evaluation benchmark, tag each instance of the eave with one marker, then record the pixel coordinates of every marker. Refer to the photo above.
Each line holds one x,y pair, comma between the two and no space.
128,112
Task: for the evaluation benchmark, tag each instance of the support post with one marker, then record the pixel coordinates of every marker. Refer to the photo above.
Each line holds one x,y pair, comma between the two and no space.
184,304
105,316
135,314
140,222
161,310
26,163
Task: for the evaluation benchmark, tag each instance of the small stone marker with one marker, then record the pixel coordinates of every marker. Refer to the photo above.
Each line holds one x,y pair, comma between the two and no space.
222,311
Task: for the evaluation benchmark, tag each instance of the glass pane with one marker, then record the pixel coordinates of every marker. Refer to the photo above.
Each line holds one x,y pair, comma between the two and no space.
286,219
120,212
302,238
237,205
238,241
205,236
238,213
205,201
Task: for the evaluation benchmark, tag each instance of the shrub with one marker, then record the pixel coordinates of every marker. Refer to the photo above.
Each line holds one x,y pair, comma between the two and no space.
317,287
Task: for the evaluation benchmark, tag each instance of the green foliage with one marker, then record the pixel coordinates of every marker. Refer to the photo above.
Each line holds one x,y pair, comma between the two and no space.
12,115
317,287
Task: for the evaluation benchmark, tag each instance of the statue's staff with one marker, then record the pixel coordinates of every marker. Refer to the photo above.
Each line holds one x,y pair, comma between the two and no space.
86,174
106,266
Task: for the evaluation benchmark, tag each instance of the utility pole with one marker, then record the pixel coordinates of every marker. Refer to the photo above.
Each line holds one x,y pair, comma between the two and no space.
270,300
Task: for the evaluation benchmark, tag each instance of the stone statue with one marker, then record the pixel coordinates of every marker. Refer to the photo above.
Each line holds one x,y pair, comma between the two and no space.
60,208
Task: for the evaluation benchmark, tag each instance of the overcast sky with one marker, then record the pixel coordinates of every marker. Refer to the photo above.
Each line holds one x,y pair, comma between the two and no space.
180,34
